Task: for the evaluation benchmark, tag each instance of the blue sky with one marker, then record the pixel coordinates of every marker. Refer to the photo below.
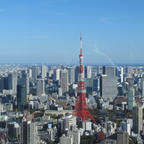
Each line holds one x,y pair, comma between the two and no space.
47,31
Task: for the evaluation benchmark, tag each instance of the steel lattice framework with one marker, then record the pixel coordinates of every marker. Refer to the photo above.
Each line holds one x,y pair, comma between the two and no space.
81,108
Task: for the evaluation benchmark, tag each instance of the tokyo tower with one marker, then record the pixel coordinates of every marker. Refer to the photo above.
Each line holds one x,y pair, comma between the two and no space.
81,108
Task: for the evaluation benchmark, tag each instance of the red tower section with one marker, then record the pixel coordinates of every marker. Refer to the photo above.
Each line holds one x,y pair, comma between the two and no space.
81,108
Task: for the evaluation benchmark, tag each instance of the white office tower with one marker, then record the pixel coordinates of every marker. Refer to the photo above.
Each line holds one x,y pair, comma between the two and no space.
12,82
29,134
71,75
40,87
25,80
30,73
57,74
137,119
59,92
122,138
66,139
121,74
76,134
87,126
131,98
34,74
98,70
64,81
51,73
66,123
88,72
44,71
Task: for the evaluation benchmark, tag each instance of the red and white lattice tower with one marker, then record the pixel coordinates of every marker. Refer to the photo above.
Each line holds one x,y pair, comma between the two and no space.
81,108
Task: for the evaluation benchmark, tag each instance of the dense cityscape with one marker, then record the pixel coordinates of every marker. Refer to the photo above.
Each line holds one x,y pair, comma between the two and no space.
48,104
58,89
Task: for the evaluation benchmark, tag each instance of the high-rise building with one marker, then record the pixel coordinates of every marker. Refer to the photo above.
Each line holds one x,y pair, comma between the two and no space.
28,132
130,81
89,86
71,75
121,74
142,86
64,81
96,84
129,71
93,72
51,133
122,138
89,82
23,139
125,126
50,73
40,87
88,72
131,98
87,126
30,73
31,133
34,74
57,74
12,82
66,123
108,86
98,70
13,130
25,80
1,84
66,139
6,83
109,71
21,96
137,119
76,73
75,133
59,91
93,83
43,71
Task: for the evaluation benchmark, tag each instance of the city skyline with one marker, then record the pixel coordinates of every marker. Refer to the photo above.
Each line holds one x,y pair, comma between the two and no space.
65,104
48,31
